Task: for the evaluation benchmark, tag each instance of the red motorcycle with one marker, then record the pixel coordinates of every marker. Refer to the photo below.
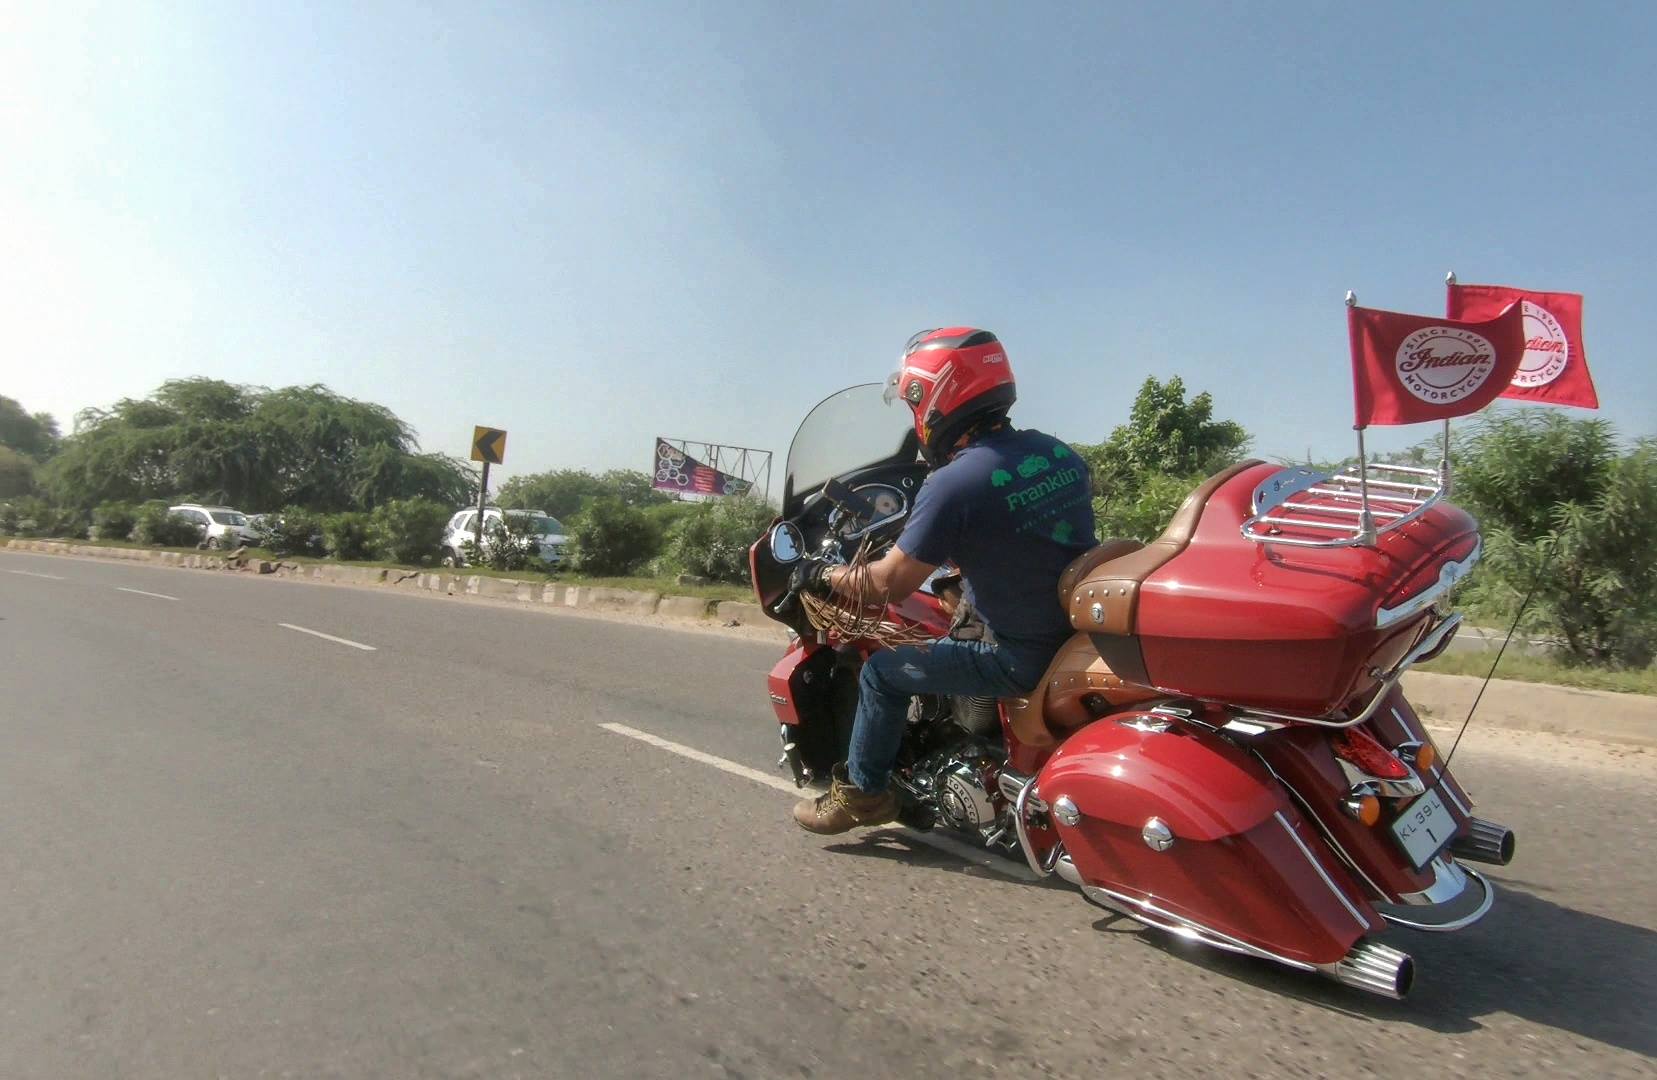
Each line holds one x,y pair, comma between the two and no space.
1222,751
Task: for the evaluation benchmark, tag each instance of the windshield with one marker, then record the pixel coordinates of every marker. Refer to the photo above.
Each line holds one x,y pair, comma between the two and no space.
847,431
538,524
227,517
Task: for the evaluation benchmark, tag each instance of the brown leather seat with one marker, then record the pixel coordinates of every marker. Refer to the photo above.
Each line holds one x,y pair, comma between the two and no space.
1106,599
1079,684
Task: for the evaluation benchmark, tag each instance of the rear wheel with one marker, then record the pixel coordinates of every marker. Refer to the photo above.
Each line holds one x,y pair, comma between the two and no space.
451,558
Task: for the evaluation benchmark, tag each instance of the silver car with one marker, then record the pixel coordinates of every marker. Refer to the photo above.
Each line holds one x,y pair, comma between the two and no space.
221,527
546,529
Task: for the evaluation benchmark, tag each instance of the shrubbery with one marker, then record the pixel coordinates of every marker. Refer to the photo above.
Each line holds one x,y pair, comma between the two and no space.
345,535
712,541
156,526
504,547
408,530
291,531
611,539
114,521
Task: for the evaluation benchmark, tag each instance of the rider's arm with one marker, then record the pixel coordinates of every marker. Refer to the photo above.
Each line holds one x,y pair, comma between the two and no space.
891,577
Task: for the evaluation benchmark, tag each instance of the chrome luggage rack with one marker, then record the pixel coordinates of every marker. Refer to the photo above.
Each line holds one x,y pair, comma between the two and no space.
1356,507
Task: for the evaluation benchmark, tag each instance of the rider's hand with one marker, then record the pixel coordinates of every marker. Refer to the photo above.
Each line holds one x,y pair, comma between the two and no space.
809,576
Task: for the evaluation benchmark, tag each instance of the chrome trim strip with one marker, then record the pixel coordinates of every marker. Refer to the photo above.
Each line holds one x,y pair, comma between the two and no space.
1322,873
1449,575
1328,837
1158,918
1461,923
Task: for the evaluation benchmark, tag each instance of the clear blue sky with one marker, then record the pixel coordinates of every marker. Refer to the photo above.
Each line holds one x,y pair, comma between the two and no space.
590,224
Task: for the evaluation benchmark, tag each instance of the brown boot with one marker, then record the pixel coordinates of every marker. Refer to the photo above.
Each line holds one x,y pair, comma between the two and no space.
845,806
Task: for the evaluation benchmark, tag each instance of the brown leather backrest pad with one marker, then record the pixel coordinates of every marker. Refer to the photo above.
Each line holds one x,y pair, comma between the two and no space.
1106,600
1090,561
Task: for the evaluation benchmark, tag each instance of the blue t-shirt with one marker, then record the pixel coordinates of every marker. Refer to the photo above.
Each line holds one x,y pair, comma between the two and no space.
1011,510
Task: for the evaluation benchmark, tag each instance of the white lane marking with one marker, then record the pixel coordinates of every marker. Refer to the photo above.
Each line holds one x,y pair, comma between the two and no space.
328,637
141,592
31,573
960,849
706,759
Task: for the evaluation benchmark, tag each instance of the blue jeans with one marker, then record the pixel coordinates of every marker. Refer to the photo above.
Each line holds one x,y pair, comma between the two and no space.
892,676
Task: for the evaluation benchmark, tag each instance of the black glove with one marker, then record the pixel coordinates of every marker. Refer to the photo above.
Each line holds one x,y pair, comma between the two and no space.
809,576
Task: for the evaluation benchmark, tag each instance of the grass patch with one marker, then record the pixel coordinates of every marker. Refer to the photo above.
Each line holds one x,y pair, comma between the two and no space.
1544,669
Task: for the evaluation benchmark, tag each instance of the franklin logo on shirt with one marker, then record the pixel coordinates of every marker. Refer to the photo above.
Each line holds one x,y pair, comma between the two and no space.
1039,492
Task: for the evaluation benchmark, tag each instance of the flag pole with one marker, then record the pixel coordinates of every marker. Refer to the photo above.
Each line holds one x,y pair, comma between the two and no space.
1366,521
1444,456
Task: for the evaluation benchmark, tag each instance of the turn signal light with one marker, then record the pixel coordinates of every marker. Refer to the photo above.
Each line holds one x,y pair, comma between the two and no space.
1426,757
1366,808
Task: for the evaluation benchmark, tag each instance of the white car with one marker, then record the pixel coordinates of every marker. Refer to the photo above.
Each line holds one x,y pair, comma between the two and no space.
547,530
221,527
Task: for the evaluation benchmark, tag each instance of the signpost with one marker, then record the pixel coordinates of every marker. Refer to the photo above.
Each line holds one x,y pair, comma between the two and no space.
489,447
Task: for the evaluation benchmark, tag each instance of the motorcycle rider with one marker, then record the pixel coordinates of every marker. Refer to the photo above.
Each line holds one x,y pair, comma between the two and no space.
1010,508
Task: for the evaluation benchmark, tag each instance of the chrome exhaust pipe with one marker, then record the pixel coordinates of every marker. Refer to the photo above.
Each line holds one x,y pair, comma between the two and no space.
1374,968
1484,841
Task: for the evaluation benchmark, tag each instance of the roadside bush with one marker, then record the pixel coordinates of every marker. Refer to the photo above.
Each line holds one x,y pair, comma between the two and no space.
345,535
291,531
9,517
34,516
1144,511
611,539
504,547
408,530
114,520
155,526
712,541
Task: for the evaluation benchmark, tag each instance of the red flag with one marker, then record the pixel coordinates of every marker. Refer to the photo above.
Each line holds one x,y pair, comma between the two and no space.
1555,366
1407,369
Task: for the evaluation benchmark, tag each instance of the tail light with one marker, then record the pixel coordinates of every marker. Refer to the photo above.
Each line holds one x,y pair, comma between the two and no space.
1359,749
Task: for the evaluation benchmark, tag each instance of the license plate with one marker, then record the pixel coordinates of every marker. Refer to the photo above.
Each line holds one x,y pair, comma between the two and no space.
1423,828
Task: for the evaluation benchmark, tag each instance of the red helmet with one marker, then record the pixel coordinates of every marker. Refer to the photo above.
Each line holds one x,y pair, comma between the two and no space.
952,379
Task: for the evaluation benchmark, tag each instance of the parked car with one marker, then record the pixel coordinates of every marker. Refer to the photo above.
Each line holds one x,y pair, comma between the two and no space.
221,526
548,532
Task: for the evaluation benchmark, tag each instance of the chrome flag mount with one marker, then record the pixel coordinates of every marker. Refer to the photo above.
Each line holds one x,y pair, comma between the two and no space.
1554,368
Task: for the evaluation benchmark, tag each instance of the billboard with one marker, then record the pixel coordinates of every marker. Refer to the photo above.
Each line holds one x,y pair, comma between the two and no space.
678,472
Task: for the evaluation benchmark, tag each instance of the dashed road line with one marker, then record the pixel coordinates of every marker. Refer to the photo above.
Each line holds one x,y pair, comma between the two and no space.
141,592
31,573
960,849
328,637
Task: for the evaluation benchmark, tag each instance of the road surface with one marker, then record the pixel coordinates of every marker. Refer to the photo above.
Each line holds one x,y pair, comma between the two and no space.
252,827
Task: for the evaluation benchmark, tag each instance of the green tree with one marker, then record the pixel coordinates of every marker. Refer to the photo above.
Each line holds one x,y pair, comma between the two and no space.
1148,465
250,447
1567,514
34,435
17,474
564,493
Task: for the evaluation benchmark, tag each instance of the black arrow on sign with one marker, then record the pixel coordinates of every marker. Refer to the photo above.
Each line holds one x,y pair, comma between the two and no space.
488,446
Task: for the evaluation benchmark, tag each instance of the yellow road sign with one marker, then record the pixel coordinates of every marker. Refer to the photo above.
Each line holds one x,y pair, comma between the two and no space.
488,445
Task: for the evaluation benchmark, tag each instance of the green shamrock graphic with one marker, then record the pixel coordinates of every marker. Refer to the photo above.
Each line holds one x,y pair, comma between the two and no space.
1061,451
1062,532
1000,478
1033,465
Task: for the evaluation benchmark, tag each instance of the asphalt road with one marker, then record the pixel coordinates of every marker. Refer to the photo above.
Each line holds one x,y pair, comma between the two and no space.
231,847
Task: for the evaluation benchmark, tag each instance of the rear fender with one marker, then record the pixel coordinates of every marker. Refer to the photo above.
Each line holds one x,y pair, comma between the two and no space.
1242,861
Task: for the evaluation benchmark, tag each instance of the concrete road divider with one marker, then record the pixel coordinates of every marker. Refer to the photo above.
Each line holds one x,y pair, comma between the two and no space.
623,600
684,607
732,611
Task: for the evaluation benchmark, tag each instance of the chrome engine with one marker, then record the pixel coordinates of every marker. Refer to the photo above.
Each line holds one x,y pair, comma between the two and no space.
956,787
